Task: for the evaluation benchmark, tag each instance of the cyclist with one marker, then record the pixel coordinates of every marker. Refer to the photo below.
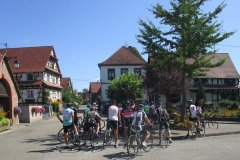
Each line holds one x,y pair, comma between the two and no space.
114,118
193,116
68,119
199,111
162,118
76,119
139,116
151,111
127,119
147,108
87,110
92,120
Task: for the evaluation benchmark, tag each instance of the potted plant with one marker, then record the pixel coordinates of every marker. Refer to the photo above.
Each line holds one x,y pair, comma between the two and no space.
17,110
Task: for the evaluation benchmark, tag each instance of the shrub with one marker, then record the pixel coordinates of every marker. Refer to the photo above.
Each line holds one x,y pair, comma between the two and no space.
4,121
227,104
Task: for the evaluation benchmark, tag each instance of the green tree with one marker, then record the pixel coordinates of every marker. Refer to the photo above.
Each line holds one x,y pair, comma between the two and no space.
185,39
127,86
45,96
67,95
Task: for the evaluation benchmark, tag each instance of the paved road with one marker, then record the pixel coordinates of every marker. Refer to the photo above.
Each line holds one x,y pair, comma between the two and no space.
39,142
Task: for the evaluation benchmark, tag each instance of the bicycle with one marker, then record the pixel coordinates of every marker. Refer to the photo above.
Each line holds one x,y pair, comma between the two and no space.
135,141
165,136
196,132
75,140
108,135
212,123
90,133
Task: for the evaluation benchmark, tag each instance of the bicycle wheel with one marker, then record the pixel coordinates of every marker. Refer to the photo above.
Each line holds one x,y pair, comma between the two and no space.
194,132
165,138
213,124
107,138
149,143
92,136
61,136
132,145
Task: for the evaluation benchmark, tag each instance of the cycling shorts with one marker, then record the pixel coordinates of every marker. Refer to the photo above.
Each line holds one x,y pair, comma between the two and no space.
164,124
67,128
112,123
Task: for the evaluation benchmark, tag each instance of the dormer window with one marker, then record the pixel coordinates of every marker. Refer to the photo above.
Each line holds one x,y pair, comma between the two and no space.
51,64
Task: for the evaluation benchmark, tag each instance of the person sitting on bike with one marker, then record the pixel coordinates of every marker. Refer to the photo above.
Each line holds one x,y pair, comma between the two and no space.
199,110
193,115
92,120
114,118
68,119
139,116
127,119
162,118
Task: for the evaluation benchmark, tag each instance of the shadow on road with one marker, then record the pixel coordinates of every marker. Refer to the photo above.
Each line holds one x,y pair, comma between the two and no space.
120,155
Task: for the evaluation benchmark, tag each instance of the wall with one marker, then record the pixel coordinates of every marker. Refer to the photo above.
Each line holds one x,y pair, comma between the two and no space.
5,74
28,116
104,77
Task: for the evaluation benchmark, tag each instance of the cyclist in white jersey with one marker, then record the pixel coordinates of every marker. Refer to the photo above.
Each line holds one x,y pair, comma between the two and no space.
139,116
114,118
68,121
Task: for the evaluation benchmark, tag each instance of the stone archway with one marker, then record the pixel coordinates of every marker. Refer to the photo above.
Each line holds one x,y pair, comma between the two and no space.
5,98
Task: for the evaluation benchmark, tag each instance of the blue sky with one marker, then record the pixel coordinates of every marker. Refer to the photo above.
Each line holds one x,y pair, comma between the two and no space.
86,32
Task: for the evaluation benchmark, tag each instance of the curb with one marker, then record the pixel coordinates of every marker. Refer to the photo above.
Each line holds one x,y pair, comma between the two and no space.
208,135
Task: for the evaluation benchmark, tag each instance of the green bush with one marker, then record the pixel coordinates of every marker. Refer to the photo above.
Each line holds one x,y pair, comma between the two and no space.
228,104
4,121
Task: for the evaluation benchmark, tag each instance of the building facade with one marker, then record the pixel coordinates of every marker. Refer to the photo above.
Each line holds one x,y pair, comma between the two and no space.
122,61
9,93
38,73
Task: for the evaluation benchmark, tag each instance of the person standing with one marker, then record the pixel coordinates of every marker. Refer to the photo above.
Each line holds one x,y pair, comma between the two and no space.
68,121
114,118
162,120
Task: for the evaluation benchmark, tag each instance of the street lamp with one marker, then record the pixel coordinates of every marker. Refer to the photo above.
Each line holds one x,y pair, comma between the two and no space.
15,62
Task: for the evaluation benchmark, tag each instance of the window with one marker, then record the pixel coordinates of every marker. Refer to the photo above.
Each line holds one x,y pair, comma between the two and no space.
30,94
124,70
30,77
48,77
111,74
137,71
54,95
53,79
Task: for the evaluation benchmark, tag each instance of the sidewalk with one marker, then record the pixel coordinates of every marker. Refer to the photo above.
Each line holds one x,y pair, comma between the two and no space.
224,128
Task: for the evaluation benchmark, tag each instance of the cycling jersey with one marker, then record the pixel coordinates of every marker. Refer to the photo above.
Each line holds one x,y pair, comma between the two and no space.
127,117
67,116
162,114
193,111
113,113
138,117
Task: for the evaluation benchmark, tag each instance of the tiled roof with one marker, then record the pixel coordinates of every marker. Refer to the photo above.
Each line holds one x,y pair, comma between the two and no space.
123,56
31,59
65,81
94,87
226,70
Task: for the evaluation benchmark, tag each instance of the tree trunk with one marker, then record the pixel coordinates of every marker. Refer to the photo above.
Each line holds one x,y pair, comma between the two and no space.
184,98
